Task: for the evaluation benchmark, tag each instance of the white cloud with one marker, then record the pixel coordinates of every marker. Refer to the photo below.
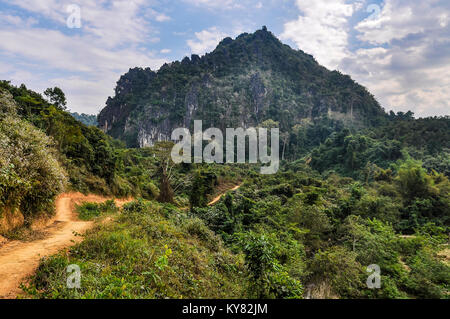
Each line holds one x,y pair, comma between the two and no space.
111,22
155,15
85,63
409,66
9,19
206,40
215,4
322,29
53,50
398,18
162,17
16,21
86,92
403,57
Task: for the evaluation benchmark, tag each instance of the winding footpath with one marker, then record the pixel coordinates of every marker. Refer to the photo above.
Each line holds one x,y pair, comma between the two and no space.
19,260
215,200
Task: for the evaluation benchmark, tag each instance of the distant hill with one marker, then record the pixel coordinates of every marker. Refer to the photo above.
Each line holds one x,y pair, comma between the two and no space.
243,82
87,119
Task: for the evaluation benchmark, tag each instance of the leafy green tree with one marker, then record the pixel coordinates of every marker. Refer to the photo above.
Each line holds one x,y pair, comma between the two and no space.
413,181
338,268
428,277
269,279
203,184
30,173
426,197
57,97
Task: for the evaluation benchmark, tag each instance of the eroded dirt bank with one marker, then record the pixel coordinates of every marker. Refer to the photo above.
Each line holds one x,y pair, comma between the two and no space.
18,260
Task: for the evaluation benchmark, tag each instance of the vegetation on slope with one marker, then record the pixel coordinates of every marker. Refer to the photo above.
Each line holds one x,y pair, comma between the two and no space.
353,191
30,173
283,236
248,80
89,211
86,119
325,232
94,161
50,147
150,251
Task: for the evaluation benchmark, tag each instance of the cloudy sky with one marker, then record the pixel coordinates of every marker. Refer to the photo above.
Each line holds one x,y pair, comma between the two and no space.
398,49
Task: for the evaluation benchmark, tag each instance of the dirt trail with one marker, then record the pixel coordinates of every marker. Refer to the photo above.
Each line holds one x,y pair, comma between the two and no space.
215,200
19,259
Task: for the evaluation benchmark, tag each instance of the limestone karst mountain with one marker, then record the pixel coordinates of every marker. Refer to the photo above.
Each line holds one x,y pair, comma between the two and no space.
242,83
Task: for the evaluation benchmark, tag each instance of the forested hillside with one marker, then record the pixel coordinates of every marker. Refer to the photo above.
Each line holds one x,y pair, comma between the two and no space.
94,161
245,81
45,150
89,120
255,79
30,173
290,235
356,186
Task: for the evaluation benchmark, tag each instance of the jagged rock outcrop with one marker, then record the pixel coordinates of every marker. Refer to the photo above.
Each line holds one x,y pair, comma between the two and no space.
243,82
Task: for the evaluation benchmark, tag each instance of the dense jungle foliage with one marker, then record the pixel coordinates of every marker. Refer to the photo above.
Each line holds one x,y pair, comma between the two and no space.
94,161
359,198
357,187
291,235
247,80
89,120
30,173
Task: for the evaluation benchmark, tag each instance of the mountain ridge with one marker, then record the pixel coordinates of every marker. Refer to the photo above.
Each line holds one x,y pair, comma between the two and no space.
242,82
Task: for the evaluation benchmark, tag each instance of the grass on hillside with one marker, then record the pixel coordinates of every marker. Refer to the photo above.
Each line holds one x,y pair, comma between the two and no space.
149,251
89,211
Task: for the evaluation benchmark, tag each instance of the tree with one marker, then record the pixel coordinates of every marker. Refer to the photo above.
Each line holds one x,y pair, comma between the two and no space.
269,279
413,181
203,184
162,152
57,97
30,173
337,267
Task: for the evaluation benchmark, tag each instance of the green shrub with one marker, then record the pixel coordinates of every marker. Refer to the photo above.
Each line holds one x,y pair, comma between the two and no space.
89,211
268,278
30,173
196,227
338,266
144,254
428,277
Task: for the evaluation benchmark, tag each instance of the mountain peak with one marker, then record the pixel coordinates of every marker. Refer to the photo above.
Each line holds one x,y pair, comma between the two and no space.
242,83
259,35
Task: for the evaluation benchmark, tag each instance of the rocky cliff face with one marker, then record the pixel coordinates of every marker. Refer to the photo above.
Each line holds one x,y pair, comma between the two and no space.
242,83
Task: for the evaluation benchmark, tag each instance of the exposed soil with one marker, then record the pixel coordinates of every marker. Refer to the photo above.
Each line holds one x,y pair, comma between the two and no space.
19,260
2,240
445,255
216,199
